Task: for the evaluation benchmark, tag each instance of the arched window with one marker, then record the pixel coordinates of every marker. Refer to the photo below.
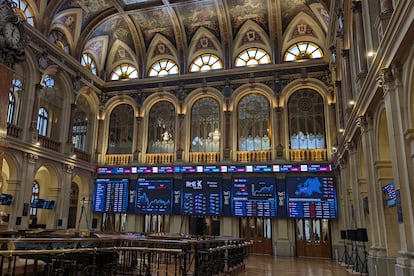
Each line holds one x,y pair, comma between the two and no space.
205,126
206,62
34,198
251,57
48,82
88,62
163,67
303,51
24,10
14,96
161,128
124,72
306,120
10,108
42,121
121,127
60,40
253,123
79,130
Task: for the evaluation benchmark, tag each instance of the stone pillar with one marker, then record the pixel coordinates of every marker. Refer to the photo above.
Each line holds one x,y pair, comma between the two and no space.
63,196
376,230
227,135
353,182
5,84
180,138
359,37
381,23
340,101
349,96
138,141
278,137
391,82
35,112
99,141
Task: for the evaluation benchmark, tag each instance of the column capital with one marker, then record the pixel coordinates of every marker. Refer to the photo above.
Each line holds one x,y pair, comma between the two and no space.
384,78
356,6
68,168
364,122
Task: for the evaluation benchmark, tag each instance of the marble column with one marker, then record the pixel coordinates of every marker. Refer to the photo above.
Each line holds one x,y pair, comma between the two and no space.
359,37
349,96
180,137
138,140
227,135
390,79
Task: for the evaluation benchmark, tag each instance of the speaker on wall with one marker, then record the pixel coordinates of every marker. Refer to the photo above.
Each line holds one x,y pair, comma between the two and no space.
18,220
197,226
361,235
215,228
59,222
343,235
94,223
351,234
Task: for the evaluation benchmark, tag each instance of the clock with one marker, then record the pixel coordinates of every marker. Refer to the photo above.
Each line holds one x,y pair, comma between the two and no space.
12,34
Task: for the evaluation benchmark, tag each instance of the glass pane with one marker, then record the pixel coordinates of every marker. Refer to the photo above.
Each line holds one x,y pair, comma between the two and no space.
308,230
299,229
316,231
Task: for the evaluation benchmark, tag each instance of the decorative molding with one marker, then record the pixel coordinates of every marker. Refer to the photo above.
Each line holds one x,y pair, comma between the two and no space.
384,78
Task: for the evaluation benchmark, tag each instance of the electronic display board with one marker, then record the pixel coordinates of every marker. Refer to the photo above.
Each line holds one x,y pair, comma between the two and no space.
201,196
154,196
6,199
43,203
254,197
311,197
110,195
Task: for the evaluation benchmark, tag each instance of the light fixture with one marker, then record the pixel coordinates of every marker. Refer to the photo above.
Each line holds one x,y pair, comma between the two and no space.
37,143
341,130
74,156
351,102
371,54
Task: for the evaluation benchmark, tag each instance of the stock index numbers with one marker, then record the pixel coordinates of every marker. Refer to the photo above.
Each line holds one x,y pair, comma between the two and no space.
111,195
202,196
254,197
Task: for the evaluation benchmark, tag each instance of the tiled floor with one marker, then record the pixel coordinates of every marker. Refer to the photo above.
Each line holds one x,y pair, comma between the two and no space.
284,266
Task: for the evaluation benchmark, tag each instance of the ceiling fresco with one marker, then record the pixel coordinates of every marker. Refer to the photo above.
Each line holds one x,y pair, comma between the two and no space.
135,23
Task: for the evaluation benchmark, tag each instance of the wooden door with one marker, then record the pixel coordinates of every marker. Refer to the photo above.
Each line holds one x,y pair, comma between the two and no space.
258,231
313,238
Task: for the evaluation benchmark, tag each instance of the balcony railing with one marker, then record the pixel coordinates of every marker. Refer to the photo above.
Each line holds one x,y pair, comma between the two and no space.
80,154
119,159
308,155
159,158
254,156
204,157
49,143
13,131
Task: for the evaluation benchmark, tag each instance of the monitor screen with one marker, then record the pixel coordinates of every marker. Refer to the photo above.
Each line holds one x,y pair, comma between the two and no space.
154,196
6,199
311,197
110,195
43,203
389,194
254,197
202,196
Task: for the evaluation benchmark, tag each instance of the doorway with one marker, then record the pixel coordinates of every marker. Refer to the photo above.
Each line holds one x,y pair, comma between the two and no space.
313,238
258,231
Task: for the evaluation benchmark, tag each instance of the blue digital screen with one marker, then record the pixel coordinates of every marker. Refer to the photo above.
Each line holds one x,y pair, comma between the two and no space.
154,196
6,199
311,197
110,195
202,196
254,197
43,203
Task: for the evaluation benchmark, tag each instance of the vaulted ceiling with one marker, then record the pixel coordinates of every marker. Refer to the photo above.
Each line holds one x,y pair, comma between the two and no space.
113,31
